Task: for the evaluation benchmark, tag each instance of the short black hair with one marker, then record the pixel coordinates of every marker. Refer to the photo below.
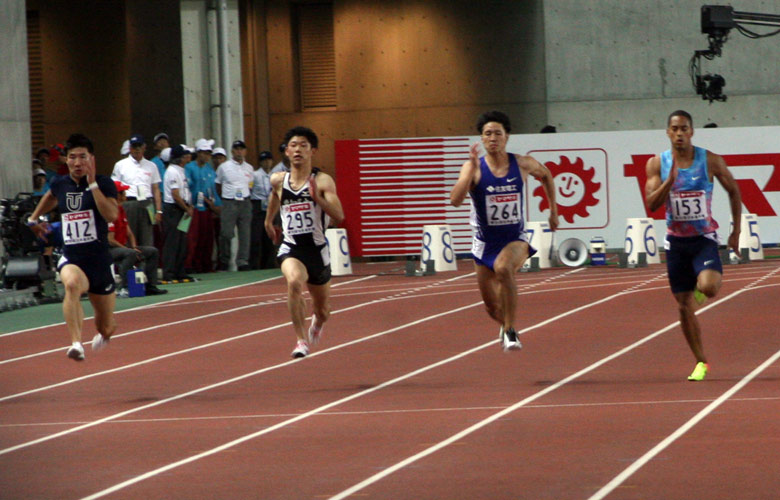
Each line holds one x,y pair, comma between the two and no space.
303,132
493,116
79,141
682,113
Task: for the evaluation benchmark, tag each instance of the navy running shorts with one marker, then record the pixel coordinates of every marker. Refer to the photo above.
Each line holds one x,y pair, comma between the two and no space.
686,257
98,271
313,258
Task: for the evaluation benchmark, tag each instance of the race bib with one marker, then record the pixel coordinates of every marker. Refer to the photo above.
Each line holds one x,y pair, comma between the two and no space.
79,227
298,218
503,209
688,205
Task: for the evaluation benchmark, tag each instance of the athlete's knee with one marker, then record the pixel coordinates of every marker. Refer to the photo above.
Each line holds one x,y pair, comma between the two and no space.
107,327
709,288
294,288
73,286
322,311
494,311
504,272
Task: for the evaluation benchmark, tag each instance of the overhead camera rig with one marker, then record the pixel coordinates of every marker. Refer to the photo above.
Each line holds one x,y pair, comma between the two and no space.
716,22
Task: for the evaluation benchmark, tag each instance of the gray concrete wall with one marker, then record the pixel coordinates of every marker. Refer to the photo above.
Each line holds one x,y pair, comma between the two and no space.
623,64
15,142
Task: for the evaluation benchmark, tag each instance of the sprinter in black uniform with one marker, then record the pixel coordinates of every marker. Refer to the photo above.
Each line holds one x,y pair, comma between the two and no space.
87,202
308,202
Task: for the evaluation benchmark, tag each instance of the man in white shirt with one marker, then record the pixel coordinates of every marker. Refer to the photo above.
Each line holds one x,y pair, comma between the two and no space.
144,204
262,253
177,203
234,181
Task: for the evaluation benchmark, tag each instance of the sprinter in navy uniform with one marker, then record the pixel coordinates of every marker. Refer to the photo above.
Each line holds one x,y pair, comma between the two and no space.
500,246
308,202
86,202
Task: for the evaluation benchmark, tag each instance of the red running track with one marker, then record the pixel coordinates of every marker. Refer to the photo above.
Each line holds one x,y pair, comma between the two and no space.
408,396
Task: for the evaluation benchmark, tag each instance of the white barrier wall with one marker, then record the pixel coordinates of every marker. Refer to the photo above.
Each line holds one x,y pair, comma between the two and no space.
749,237
640,237
541,238
338,247
599,178
437,246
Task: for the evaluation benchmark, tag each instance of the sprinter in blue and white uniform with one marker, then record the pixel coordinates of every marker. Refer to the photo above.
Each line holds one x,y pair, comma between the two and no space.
681,179
308,202
87,203
500,247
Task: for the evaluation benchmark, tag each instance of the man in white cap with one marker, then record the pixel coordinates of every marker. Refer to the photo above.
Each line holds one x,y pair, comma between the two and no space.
144,203
200,179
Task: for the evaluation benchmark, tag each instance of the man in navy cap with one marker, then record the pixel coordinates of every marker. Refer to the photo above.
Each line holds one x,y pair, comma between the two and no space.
144,204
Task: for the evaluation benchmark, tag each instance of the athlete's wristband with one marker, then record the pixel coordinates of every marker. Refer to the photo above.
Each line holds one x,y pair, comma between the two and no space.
93,186
32,222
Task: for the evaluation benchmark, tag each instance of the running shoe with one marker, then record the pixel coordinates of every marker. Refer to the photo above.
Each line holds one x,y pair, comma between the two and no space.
315,332
699,296
510,342
99,342
699,372
76,352
301,349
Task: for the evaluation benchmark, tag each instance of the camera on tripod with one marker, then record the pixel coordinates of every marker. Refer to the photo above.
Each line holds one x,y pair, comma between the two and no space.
23,262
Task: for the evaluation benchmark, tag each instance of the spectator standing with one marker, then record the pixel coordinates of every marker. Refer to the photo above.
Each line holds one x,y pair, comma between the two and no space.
233,181
262,252
159,144
144,204
40,186
125,249
200,180
177,202
284,165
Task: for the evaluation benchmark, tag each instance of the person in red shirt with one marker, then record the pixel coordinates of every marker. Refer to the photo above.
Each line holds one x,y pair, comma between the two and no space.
127,253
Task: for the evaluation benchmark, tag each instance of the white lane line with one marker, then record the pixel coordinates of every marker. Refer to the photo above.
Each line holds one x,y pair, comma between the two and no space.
144,307
631,469
393,412
262,370
638,464
332,404
171,323
479,425
249,334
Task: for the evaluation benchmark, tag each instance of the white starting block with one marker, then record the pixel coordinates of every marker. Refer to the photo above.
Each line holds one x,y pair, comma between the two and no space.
640,238
437,246
541,238
750,238
338,247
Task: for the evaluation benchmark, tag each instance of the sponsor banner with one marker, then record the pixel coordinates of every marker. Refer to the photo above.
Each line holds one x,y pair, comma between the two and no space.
390,188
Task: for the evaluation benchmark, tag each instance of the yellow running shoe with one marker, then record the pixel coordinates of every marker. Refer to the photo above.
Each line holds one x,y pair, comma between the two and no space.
699,297
699,372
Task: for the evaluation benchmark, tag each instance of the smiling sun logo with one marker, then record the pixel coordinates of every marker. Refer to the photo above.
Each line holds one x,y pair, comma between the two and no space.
575,186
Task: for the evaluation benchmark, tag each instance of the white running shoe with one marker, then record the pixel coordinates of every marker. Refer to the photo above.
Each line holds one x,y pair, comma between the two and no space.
301,349
99,342
509,341
76,351
315,333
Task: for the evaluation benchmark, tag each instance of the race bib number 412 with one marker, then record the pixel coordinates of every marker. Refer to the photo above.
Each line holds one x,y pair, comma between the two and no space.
79,227
503,209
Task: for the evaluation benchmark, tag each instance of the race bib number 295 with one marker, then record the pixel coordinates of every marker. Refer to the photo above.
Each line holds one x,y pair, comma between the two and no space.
299,218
